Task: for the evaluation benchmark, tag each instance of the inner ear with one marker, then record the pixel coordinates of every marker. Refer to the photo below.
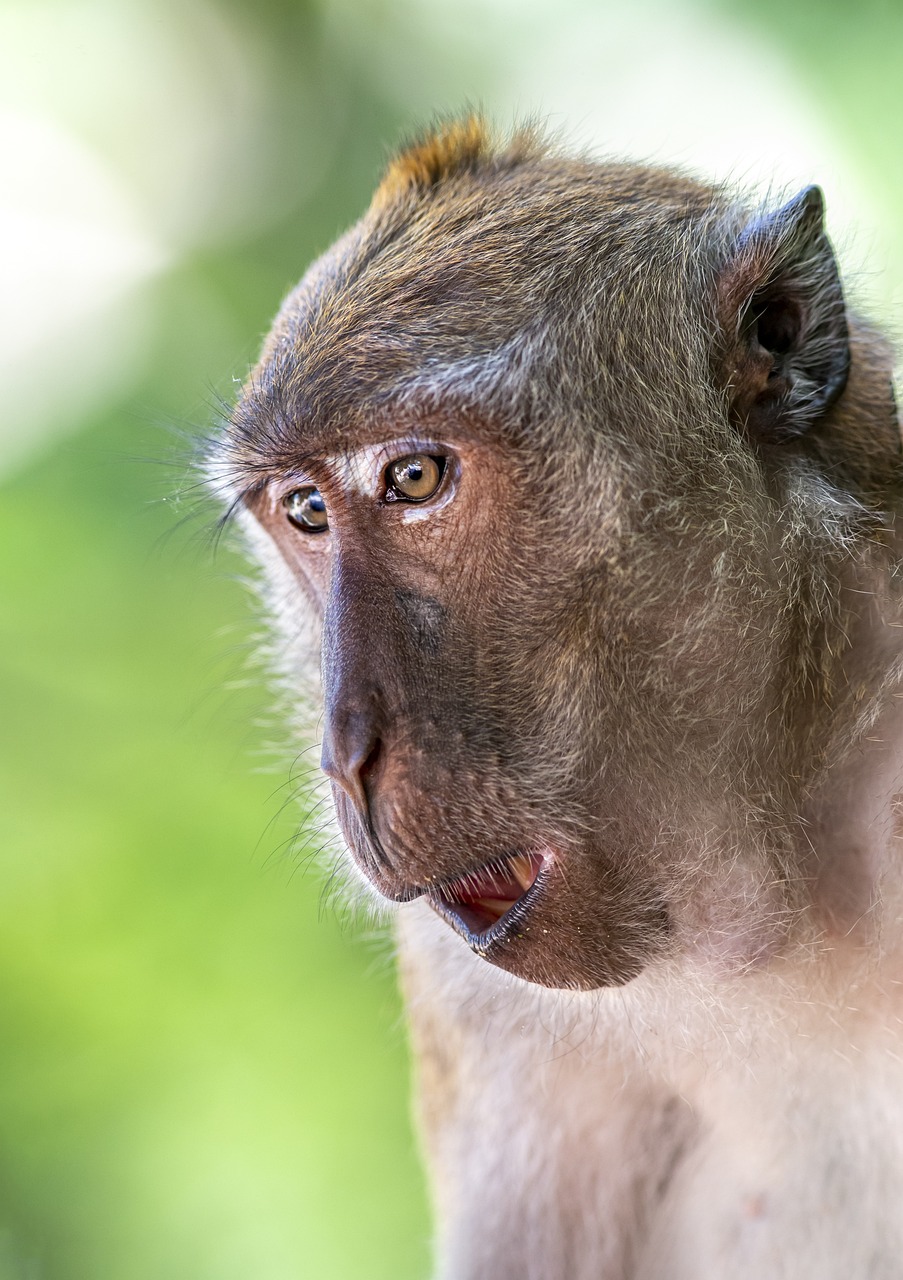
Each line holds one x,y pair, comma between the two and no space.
787,352
777,326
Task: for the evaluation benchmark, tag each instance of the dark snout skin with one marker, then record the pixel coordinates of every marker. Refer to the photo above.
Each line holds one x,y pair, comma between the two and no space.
372,631
384,711
354,679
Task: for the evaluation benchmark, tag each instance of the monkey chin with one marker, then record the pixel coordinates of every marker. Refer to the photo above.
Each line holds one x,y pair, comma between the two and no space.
511,913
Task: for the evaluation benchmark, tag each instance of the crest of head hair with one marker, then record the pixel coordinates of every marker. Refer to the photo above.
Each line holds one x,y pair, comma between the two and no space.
450,149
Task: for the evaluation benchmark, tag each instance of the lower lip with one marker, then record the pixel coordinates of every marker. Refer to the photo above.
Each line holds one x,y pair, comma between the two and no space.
509,927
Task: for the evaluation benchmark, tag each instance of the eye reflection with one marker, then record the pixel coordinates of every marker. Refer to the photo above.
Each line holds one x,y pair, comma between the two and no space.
306,509
414,478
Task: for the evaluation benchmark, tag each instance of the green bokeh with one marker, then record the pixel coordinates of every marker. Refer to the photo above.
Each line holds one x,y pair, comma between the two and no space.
203,1074
198,1072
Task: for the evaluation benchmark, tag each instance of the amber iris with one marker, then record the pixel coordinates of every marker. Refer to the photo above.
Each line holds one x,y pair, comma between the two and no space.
414,478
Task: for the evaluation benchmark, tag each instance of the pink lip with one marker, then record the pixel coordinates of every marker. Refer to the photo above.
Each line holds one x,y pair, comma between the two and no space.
487,904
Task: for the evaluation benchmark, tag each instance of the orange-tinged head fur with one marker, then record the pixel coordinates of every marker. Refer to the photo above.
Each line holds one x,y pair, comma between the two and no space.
441,154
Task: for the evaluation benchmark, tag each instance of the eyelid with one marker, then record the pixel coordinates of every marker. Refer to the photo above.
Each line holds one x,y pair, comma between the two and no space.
287,484
364,470
389,451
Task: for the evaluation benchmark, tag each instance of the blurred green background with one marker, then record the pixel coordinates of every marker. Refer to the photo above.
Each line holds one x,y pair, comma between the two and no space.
203,1072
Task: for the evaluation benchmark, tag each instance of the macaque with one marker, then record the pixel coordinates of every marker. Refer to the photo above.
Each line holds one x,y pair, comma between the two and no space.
583,479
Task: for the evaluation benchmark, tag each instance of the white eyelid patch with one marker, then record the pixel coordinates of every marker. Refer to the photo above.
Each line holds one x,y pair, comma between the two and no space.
360,470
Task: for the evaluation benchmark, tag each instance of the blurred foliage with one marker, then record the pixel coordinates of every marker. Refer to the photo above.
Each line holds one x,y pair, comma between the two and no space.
199,1073
202,1074
849,58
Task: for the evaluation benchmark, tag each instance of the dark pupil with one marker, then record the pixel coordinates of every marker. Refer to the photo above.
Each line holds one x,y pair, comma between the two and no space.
411,472
314,501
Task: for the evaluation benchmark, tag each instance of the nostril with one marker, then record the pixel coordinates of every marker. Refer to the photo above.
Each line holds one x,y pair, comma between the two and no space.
351,753
368,766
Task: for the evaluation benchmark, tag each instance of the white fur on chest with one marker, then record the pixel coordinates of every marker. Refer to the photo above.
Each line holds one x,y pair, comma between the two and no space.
599,1135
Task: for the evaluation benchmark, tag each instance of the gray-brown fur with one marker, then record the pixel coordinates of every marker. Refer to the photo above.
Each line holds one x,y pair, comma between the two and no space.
651,628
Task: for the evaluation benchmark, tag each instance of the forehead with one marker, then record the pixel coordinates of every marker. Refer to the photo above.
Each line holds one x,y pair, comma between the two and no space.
289,419
456,305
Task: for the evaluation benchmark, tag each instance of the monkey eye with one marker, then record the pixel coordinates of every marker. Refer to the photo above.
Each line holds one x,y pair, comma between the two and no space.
414,478
306,509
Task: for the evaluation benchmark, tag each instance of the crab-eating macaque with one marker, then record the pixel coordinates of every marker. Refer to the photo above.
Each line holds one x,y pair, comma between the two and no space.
588,477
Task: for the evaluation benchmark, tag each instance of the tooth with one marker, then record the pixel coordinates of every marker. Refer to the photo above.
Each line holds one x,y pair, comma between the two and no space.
522,870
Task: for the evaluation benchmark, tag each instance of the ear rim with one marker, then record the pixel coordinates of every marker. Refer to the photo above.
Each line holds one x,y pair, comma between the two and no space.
784,260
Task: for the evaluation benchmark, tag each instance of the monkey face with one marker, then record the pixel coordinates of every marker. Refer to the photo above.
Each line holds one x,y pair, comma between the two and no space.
509,677
533,441
476,650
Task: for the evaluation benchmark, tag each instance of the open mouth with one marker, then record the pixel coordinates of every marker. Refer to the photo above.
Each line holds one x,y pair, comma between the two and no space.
489,904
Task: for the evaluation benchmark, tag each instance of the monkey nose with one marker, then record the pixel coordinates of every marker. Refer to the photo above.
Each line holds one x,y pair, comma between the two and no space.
351,749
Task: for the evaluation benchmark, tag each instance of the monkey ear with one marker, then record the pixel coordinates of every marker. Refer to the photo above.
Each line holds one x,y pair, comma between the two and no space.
782,310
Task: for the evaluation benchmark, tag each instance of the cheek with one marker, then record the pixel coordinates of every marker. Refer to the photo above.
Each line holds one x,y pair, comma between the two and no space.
313,581
460,548
292,604
711,620
304,563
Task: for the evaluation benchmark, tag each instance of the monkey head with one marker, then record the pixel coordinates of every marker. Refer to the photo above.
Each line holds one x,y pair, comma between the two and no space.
562,455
